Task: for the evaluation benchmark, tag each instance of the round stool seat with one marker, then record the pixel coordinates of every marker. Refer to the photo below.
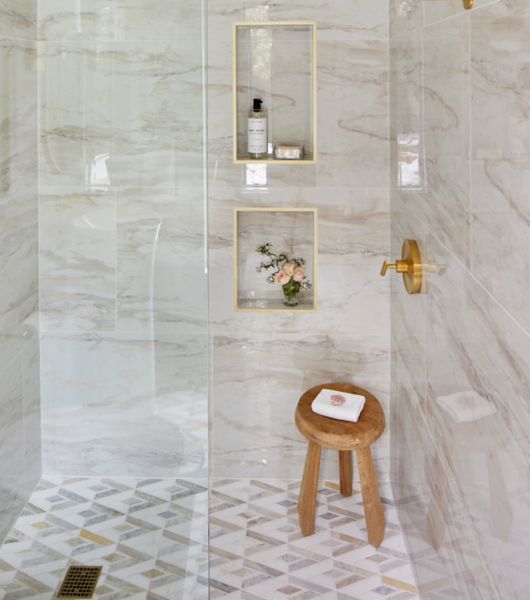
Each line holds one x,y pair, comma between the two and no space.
340,435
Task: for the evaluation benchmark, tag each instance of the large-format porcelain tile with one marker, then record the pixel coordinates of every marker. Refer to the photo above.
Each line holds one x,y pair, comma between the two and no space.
481,349
405,15
500,146
124,404
272,358
12,487
262,362
353,113
134,117
78,262
18,18
352,244
161,282
18,183
30,371
364,19
257,384
500,225
499,60
99,20
442,199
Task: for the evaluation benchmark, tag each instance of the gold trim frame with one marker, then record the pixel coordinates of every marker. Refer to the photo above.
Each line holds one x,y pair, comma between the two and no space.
314,212
311,25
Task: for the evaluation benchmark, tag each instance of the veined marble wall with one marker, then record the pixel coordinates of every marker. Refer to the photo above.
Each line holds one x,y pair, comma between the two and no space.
262,362
20,446
460,161
122,244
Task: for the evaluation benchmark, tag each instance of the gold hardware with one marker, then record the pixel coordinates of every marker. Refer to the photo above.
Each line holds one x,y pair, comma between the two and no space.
468,4
410,266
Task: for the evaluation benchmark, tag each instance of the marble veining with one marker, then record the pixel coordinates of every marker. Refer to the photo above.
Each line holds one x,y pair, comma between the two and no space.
459,187
20,435
263,362
122,239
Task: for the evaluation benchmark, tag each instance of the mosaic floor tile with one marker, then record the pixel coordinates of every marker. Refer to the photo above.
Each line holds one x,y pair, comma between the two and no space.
258,553
151,538
149,535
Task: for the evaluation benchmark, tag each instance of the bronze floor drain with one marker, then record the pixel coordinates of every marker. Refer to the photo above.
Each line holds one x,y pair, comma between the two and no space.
80,582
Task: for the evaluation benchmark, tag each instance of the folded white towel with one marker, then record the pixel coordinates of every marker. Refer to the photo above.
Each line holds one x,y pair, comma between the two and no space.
466,407
338,405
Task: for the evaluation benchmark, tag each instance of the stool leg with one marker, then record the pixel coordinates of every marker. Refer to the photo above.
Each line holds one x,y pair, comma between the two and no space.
346,472
373,509
307,501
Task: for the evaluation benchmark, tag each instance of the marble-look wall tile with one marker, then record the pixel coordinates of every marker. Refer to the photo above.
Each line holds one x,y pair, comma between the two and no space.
500,54
352,69
162,282
441,197
264,362
481,349
466,519
18,183
18,19
78,262
124,404
20,464
113,20
133,116
12,487
123,281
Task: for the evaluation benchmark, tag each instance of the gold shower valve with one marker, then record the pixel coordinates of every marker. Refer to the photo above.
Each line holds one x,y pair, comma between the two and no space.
410,266
468,4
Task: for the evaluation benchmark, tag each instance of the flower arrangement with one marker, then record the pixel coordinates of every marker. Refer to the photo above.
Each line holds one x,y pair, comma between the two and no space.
287,272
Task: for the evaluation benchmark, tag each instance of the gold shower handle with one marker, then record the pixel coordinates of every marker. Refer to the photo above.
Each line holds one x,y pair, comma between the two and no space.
400,266
410,266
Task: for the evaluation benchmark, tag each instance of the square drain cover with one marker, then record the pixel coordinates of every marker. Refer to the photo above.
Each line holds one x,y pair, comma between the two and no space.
80,582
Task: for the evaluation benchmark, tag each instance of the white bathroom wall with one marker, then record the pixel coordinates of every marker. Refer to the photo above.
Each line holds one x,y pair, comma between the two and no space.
262,362
20,444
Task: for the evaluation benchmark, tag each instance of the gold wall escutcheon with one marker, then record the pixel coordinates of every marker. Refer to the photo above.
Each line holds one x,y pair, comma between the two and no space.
410,266
468,4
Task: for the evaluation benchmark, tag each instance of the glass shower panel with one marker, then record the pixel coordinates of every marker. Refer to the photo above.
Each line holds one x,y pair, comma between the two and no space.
123,277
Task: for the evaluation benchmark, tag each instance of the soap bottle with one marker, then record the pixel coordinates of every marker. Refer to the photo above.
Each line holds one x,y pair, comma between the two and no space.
257,130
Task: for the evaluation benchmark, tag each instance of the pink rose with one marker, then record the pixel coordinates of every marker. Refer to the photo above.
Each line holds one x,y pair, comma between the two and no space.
298,274
282,278
337,400
289,268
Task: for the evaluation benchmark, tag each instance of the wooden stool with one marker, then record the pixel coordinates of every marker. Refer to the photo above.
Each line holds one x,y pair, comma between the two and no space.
343,436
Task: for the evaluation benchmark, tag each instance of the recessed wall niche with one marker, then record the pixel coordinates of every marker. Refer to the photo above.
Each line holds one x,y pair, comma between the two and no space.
291,232
276,62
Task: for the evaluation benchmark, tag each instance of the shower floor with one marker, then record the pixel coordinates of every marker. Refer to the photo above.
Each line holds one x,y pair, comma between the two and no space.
151,537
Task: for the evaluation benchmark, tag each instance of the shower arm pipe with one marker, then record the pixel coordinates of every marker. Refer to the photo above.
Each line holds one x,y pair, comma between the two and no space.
468,4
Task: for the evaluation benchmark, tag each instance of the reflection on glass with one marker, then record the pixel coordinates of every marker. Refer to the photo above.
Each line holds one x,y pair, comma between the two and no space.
97,171
409,164
256,174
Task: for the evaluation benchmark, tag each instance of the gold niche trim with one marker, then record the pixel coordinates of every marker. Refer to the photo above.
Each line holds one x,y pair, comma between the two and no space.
236,213
468,4
313,27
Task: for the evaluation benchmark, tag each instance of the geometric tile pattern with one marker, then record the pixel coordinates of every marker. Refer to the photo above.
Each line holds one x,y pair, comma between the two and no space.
151,538
258,553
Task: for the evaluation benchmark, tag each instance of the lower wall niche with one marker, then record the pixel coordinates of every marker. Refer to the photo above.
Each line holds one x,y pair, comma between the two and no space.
275,259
